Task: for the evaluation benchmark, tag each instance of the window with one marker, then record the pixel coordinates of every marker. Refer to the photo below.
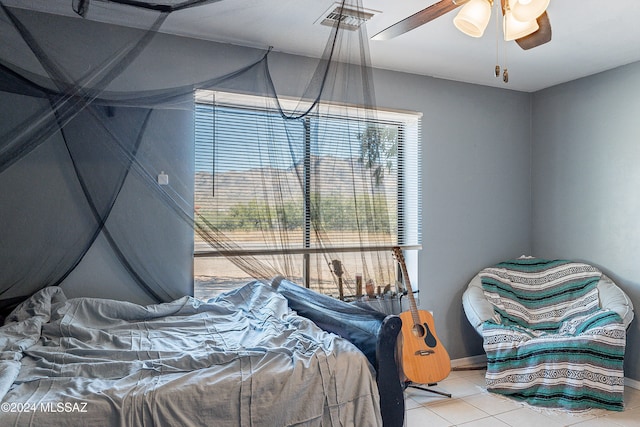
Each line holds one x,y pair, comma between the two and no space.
291,191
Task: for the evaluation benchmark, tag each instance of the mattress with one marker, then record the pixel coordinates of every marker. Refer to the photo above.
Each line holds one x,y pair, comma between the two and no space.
242,359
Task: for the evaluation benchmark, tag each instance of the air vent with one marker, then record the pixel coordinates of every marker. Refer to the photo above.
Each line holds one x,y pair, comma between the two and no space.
349,19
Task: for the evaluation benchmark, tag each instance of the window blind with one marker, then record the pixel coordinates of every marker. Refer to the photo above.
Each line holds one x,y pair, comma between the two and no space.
306,185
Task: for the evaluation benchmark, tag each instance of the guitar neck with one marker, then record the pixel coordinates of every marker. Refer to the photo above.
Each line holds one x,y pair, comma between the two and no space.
405,275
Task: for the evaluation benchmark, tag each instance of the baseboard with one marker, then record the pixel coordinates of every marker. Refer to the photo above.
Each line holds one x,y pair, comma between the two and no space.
480,360
632,383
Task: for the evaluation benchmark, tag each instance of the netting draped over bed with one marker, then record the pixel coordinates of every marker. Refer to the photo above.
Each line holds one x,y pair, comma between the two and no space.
92,113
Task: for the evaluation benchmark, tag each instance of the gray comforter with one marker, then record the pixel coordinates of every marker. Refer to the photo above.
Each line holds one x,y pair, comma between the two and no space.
243,359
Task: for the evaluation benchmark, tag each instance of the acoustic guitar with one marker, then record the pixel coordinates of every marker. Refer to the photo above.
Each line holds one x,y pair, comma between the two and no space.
424,359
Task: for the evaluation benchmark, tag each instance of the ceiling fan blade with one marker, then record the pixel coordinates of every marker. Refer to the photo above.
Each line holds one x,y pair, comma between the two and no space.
542,36
432,12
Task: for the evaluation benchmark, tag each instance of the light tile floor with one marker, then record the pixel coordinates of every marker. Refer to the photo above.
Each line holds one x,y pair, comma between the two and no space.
472,406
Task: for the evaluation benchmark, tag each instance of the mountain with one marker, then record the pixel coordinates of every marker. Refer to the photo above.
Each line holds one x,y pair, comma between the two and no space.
331,176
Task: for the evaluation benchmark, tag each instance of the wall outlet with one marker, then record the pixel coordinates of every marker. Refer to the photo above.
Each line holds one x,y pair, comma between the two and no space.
163,178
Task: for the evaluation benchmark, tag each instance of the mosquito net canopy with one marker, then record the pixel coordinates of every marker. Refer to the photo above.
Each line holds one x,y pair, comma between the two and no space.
99,113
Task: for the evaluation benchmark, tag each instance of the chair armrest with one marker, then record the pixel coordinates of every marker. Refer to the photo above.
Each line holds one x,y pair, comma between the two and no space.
476,306
614,298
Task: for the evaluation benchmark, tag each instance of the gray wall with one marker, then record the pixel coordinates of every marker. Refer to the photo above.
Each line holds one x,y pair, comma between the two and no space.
167,146
476,207
586,203
162,239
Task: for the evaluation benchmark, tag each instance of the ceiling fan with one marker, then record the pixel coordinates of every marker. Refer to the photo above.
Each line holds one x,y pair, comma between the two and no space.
525,21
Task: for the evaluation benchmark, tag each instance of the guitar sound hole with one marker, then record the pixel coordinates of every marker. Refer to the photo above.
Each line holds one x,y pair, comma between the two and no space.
418,331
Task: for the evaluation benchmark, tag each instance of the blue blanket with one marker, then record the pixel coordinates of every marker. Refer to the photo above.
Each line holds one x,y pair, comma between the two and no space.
554,346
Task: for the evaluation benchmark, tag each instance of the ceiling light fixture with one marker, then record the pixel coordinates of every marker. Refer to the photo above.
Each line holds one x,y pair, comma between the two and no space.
520,17
474,17
528,10
514,29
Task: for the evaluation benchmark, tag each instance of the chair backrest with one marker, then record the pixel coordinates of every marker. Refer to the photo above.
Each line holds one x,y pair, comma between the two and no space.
541,294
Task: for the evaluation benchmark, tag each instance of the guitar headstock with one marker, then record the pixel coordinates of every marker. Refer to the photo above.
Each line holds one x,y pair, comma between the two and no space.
397,254
336,264
399,257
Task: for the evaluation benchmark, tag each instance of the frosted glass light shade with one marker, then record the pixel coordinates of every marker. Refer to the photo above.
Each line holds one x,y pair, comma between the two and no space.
473,18
528,10
514,29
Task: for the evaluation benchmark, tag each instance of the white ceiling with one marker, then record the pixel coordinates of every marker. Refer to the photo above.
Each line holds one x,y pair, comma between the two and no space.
589,36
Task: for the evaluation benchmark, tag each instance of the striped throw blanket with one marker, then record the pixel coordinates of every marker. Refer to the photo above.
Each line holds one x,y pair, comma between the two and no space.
554,346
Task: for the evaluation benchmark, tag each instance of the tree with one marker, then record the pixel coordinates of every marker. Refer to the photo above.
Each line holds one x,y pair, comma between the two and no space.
378,149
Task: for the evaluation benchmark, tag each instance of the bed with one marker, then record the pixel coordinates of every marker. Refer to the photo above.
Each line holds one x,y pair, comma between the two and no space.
243,359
